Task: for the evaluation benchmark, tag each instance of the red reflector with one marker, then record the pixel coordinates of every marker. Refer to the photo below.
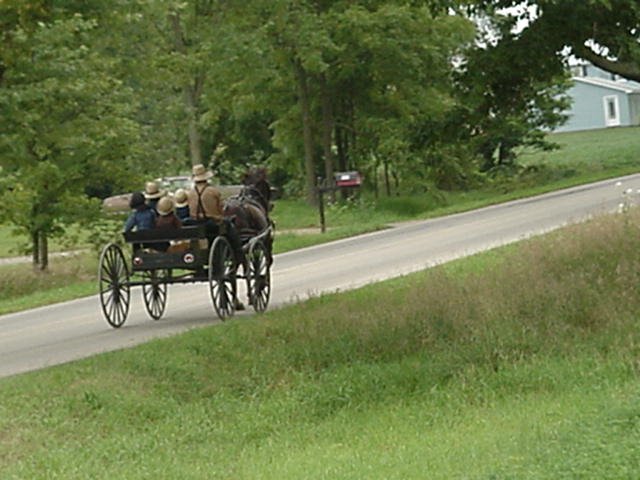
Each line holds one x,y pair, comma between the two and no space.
188,258
137,261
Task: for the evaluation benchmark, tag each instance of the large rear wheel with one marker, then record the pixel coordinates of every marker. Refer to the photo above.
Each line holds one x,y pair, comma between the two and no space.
222,278
113,280
154,293
259,277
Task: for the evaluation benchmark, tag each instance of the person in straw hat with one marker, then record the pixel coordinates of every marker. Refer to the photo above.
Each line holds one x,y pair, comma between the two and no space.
182,204
205,206
166,216
152,194
205,201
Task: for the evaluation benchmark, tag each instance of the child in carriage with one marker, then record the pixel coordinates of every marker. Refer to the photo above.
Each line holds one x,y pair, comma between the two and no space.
182,204
166,219
142,217
166,216
153,194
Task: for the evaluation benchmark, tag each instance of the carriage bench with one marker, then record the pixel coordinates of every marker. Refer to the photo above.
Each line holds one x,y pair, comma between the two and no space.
186,247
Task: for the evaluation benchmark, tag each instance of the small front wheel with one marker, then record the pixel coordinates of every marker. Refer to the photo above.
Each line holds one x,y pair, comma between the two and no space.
259,277
113,279
222,278
154,293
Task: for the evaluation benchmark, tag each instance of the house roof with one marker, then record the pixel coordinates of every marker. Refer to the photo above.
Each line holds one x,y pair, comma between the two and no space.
611,84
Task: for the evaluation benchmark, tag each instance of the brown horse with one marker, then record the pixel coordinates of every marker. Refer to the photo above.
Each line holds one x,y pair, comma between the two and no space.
250,208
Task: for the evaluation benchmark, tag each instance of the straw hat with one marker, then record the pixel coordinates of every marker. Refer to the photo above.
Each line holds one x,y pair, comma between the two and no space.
151,191
165,206
201,174
180,197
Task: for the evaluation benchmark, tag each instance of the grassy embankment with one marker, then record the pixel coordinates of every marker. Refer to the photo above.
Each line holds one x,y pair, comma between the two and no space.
520,363
584,157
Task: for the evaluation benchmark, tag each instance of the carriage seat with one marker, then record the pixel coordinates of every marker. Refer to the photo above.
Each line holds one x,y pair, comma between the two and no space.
160,238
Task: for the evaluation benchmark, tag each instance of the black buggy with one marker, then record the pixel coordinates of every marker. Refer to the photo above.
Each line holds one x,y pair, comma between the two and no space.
190,258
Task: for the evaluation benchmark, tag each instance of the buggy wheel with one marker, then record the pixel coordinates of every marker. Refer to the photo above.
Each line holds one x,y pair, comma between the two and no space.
154,293
113,280
222,278
259,277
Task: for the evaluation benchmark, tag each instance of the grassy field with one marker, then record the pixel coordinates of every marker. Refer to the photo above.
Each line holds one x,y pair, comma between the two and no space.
521,362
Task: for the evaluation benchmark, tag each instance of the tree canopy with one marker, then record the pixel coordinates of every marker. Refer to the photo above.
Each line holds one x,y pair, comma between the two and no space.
98,96
603,32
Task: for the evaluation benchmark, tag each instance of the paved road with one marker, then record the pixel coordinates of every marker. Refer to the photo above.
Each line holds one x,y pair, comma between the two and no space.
72,330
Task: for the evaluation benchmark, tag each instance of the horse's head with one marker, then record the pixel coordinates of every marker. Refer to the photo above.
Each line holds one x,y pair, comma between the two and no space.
257,186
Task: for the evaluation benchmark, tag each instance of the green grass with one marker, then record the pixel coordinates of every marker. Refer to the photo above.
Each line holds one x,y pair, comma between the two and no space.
592,150
21,287
12,244
518,363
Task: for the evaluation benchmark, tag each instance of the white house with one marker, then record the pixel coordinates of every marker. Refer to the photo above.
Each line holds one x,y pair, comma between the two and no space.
600,100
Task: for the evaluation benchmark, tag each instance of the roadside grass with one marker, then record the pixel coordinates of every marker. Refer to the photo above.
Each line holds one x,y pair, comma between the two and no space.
72,277
517,363
12,245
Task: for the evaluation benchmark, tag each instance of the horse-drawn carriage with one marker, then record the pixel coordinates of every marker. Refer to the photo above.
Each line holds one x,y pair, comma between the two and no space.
193,256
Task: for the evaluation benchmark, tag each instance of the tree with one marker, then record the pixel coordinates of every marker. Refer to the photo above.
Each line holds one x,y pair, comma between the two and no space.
508,97
604,32
65,126
350,68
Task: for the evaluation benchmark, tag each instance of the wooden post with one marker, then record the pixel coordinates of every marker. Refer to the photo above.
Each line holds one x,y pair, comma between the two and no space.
320,190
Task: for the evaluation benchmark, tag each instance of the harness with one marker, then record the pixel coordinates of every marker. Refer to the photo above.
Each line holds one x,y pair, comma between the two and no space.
249,194
200,212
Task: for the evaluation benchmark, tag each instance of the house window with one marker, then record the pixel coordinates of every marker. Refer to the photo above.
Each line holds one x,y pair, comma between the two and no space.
611,111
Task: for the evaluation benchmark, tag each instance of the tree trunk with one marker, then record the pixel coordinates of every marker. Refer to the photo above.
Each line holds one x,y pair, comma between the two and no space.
44,252
327,131
387,184
191,93
353,137
487,150
505,154
35,250
376,165
342,147
191,103
307,134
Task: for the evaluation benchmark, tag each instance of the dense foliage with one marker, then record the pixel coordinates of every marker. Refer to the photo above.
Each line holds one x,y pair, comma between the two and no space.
98,96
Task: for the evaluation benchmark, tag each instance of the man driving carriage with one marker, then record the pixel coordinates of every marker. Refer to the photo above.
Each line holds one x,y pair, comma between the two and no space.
205,201
206,207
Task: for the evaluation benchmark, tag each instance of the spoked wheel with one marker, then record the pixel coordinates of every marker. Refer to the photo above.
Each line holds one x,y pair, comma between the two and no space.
259,277
222,278
154,293
113,278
